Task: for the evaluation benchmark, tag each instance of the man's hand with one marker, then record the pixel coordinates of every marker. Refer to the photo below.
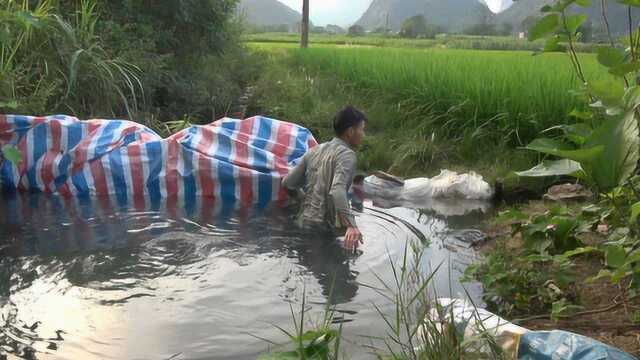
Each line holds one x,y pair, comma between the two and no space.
353,238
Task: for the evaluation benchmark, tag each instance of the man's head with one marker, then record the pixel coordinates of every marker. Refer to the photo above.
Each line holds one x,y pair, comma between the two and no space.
349,125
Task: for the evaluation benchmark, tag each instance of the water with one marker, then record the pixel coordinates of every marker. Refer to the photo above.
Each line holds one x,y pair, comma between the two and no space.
83,279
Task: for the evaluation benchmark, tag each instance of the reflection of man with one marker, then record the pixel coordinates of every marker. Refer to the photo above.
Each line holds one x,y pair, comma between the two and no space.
325,175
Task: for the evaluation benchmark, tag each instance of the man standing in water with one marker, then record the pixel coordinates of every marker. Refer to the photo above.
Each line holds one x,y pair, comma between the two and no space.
324,176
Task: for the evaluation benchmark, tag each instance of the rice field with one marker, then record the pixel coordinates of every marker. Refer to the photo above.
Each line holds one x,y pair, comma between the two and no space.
442,41
511,92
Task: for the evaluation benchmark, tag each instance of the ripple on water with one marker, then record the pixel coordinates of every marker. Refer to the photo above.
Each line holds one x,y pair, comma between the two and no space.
89,281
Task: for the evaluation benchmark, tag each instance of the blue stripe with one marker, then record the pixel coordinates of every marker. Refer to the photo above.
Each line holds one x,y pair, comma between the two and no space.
229,125
300,146
189,180
39,149
117,174
155,158
265,179
74,136
21,125
6,177
105,139
225,169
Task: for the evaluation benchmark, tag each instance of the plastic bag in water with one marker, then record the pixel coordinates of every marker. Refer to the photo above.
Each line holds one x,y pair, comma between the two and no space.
473,324
447,185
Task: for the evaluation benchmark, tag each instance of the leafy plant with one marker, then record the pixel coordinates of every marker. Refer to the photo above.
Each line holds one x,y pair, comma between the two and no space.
320,343
604,152
11,154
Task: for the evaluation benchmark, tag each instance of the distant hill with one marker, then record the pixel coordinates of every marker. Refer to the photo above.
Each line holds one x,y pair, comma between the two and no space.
452,15
268,12
456,15
520,10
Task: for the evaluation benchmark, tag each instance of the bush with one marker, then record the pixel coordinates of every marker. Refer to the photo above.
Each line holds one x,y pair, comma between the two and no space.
121,58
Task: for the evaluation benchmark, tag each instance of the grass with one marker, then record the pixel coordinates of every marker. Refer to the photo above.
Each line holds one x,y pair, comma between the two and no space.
511,94
380,40
418,327
428,109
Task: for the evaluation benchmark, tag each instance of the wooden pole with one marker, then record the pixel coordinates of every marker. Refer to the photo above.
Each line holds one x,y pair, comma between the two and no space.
304,29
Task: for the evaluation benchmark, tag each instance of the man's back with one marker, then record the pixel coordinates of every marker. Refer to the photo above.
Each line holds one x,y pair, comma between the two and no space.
325,174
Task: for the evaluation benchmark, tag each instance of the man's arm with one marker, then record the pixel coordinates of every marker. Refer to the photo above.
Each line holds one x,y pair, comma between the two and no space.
295,180
342,177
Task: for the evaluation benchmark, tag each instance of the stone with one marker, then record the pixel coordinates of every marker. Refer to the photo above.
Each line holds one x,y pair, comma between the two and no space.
568,192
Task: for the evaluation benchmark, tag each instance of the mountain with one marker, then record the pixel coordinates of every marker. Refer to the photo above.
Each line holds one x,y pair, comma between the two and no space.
517,13
268,12
452,15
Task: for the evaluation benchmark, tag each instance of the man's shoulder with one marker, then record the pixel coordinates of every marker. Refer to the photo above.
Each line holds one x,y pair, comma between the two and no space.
341,147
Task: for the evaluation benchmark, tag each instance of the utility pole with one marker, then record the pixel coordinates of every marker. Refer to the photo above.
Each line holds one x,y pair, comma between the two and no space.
304,29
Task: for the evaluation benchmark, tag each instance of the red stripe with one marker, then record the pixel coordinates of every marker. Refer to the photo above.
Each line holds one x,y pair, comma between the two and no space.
64,190
242,160
6,129
137,175
172,167
82,149
311,143
99,177
48,161
22,169
206,213
207,184
283,141
137,172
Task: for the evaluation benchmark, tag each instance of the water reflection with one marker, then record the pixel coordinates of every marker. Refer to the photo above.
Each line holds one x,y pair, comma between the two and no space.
189,279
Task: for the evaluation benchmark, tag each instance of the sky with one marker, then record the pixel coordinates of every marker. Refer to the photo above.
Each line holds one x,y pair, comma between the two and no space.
346,12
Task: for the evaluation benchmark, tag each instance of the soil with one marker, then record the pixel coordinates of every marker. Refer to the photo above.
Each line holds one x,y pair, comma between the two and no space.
608,312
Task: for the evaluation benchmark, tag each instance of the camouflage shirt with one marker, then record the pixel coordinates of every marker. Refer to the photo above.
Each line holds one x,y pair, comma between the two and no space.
323,178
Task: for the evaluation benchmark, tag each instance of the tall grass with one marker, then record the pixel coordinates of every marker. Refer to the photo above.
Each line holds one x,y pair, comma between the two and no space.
502,95
50,62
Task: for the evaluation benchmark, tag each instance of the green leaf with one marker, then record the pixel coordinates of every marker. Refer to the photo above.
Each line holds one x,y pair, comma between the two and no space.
580,251
609,91
11,154
635,212
544,27
573,22
582,115
615,256
576,133
557,148
624,69
610,57
583,3
620,140
552,168
9,104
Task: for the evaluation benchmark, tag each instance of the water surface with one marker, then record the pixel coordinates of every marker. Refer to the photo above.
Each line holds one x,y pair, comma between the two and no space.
86,279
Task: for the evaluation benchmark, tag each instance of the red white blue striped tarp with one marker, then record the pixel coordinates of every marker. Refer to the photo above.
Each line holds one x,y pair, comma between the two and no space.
231,160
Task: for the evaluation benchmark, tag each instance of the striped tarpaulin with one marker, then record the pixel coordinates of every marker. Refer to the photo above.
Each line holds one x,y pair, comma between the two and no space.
231,160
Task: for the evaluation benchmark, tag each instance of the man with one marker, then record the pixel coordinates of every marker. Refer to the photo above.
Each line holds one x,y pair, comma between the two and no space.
325,175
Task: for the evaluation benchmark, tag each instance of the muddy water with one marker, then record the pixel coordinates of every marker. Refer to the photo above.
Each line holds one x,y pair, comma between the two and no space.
85,279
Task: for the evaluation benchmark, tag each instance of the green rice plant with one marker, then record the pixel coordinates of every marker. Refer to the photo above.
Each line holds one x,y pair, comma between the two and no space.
322,342
450,41
420,328
509,95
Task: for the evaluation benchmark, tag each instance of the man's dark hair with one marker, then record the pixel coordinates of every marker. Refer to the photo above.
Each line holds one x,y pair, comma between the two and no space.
346,118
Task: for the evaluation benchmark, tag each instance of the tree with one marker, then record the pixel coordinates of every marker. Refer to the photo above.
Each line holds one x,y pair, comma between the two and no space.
586,31
506,29
356,30
417,27
414,26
